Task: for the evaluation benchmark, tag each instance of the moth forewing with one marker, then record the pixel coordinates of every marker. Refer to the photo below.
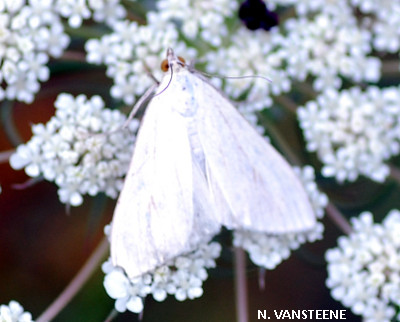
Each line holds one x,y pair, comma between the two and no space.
197,165
252,185
161,212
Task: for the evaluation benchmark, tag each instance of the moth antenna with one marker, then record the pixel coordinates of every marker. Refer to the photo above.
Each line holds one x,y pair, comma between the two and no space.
149,93
145,97
165,66
150,74
235,77
169,82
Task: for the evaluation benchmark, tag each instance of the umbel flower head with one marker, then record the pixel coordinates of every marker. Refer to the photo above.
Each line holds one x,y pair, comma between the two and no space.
183,277
32,31
353,132
364,269
84,149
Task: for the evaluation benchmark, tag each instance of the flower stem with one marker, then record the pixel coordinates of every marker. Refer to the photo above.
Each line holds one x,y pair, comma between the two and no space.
241,285
5,155
111,316
395,173
77,282
8,124
337,217
390,67
287,103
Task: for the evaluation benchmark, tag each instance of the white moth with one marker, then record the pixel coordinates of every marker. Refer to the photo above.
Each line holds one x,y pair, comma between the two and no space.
198,165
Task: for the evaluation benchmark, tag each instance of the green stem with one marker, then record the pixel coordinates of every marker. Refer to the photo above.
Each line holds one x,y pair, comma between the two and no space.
242,306
77,282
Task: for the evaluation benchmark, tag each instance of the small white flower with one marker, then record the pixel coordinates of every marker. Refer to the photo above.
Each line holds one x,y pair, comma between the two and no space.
75,11
14,312
187,286
34,66
129,294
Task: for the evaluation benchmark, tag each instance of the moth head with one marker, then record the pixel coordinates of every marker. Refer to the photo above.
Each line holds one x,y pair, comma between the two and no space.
171,59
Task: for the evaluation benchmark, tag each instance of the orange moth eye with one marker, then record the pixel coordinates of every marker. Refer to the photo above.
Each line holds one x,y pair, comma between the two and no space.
164,65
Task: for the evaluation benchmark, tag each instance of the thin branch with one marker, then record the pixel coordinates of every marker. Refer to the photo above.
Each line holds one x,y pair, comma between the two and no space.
71,55
390,68
76,284
287,103
8,124
5,155
242,306
113,314
338,218
395,173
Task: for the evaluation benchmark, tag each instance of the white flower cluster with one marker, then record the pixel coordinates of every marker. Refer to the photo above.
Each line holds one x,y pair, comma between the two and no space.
84,149
14,312
268,250
132,51
204,18
108,11
353,132
328,47
251,53
183,277
364,270
380,17
32,31
28,35
386,25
